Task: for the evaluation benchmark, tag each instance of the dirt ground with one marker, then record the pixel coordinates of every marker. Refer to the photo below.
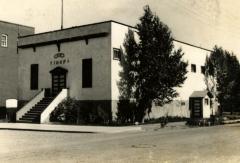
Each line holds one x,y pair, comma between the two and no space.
175,143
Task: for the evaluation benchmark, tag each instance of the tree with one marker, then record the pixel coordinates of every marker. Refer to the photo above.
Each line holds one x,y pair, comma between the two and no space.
128,62
126,108
222,78
157,69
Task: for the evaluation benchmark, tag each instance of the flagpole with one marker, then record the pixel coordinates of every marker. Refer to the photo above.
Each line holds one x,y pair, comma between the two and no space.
62,16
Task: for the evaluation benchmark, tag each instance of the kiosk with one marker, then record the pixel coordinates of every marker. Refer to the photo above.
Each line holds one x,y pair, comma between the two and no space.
11,105
200,106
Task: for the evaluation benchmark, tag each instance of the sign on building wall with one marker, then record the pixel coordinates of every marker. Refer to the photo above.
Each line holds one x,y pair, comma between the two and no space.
11,103
59,59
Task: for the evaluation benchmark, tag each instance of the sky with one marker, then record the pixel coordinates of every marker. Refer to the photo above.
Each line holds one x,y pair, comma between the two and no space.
203,23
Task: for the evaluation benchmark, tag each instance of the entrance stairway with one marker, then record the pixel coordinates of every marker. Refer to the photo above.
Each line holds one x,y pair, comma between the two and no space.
33,115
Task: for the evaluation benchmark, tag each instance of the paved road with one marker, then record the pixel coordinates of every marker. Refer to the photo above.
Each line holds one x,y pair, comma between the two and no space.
171,144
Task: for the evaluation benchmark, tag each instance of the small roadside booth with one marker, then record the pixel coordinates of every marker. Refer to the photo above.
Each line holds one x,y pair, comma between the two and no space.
11,106
200,105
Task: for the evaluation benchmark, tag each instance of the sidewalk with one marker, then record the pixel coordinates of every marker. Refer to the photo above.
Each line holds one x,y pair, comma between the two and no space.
231,121
67,128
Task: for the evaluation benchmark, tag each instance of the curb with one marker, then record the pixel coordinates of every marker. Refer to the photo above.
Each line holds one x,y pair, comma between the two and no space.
66,129
38,130
231,121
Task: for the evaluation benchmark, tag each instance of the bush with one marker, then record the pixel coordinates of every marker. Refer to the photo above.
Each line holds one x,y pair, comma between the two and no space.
66,111
3,112
213,120
169,119
126,111
72,111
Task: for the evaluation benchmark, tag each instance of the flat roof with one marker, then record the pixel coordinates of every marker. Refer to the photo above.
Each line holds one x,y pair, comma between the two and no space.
109,21
85,25
199,47
201,94
84,32
6,22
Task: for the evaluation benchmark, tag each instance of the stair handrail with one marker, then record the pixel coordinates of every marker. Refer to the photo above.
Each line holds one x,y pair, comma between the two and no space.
38,97
45,115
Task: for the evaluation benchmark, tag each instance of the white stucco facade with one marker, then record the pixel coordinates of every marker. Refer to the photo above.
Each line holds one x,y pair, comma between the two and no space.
98,49
195,80
207,111
96,42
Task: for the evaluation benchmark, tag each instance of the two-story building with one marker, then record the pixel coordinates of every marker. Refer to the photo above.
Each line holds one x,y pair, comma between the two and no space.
9,33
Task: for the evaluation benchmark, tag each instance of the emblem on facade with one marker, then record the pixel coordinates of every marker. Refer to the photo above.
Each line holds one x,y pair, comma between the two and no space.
59,58
59,55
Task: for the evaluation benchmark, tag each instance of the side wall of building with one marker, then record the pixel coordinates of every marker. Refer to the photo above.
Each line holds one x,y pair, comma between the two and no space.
9,60
119,32
194,82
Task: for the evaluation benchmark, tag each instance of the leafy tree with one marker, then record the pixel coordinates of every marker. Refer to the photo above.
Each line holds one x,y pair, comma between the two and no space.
222,78
156,68
126,108
128,62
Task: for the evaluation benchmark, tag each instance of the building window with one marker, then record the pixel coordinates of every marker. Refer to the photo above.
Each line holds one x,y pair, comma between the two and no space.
116,54
34,77
87,73
4,40
203,69
193,68
206,101
183,103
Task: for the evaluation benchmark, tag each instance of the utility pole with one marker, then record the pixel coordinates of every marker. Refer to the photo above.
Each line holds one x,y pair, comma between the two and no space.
62,16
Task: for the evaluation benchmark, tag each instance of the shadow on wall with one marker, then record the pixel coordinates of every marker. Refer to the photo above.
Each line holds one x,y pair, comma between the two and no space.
176,108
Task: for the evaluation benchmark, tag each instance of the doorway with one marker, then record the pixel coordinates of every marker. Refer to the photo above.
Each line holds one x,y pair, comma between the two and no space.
59,80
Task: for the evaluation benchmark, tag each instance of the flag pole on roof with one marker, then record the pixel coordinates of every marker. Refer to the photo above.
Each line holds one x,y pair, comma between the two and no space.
62,15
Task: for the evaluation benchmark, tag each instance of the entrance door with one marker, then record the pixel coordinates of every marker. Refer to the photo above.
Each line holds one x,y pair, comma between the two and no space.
58,80
196,105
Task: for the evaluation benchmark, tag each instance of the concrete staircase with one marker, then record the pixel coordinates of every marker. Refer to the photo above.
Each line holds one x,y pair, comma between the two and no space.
33,115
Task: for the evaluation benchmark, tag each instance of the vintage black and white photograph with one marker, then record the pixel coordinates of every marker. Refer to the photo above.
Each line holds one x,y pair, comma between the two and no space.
119,81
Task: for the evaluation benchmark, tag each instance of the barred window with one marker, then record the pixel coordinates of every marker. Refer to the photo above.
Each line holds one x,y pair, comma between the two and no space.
4,40
193,68
116,54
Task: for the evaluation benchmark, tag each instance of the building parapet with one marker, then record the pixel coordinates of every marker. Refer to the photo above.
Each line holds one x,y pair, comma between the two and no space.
69,34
